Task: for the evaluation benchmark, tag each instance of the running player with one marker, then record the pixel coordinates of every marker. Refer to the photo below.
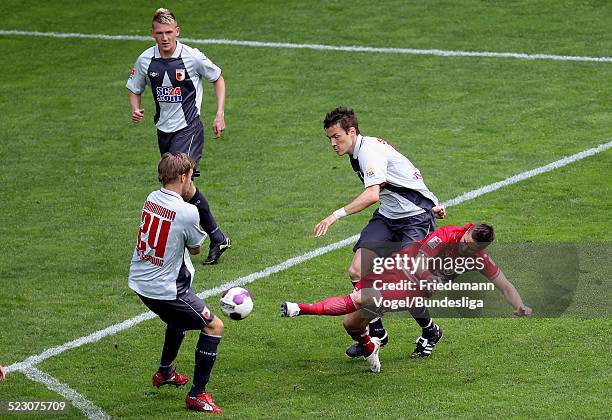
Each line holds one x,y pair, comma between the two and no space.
175,73
453,242
407,209
161,274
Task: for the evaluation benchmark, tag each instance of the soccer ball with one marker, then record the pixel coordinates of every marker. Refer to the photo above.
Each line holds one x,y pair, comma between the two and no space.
236,303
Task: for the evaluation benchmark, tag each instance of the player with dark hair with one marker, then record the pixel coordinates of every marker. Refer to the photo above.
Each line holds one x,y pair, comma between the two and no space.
161,274
175,73
407,209
446,242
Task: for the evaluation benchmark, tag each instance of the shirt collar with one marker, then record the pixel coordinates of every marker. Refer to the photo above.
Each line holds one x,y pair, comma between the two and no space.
175,54
358,143
169,192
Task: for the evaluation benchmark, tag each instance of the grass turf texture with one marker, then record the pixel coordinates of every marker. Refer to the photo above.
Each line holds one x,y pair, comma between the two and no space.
75,173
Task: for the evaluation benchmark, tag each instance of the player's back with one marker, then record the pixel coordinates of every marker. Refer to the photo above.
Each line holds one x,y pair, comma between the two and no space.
160,255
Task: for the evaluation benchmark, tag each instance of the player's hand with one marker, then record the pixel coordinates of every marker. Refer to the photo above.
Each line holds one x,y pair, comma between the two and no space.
2,373
321,227
439,211
137,115
523,311
218,126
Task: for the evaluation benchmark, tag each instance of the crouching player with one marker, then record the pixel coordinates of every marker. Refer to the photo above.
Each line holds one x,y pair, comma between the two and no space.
161,273
454,242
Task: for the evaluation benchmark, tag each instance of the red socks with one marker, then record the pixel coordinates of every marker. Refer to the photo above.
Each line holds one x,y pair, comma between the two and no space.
363,337
338,305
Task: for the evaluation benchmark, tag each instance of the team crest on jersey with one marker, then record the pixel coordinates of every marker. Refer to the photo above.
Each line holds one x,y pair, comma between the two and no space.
132,73
370,172
168,94
180,75
434,242
206,313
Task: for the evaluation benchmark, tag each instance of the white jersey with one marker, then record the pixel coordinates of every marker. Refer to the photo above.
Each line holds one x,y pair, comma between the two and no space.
161,267
176,83
403,191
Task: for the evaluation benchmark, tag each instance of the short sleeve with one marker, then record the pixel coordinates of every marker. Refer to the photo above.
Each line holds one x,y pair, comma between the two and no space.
490,269
137,80
374,168
206,68
194,235
432,247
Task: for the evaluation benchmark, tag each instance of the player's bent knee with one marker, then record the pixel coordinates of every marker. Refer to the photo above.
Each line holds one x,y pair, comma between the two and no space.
354,272
354,322
356,297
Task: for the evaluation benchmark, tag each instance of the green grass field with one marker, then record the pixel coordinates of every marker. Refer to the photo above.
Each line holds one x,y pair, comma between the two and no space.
75,171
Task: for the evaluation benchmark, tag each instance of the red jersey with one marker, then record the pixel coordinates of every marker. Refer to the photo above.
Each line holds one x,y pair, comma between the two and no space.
440,245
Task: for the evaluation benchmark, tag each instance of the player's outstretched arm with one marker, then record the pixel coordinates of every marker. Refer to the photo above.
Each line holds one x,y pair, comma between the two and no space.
511,295
364,200
137,111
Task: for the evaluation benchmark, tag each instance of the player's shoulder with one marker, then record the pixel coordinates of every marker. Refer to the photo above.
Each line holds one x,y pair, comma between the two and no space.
370,145
189,211
147,54
369,141
181,209
188,51
444,233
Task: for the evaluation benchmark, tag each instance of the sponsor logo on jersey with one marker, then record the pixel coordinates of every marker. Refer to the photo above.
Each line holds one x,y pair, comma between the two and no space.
434,242
168,94
180,75
132,73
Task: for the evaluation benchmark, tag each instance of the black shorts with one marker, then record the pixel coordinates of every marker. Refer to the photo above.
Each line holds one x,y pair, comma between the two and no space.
187,312
385,236
189,140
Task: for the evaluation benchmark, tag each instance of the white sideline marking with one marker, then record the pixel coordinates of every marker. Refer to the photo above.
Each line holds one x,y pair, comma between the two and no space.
241,281
443,53
91,338
88,408
528,174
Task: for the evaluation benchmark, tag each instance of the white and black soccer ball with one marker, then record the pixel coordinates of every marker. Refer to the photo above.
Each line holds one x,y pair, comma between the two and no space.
236,303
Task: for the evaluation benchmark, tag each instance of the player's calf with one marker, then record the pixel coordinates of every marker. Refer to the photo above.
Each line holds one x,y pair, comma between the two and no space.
370,345
375,329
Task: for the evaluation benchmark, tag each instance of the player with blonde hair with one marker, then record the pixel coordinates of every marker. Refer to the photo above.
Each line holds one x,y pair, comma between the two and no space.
175,73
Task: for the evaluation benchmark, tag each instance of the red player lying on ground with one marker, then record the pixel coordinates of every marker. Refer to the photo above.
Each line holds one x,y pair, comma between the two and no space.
439,258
